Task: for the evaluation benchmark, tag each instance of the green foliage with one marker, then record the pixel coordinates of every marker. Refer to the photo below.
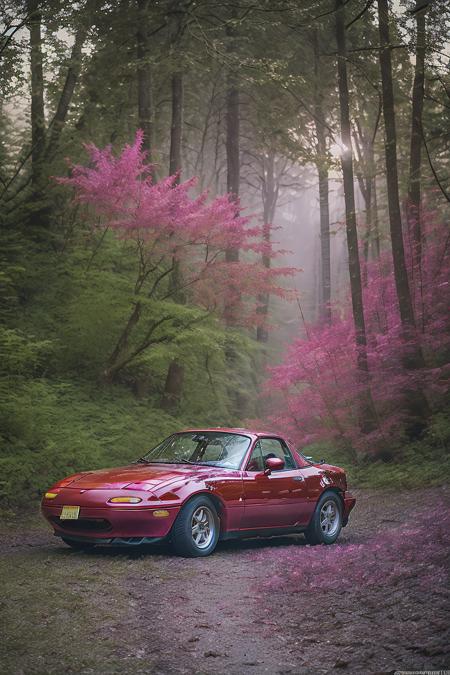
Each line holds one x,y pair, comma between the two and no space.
52,429
63,312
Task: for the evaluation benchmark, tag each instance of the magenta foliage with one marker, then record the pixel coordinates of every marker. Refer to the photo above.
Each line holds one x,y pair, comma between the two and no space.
168,224
385,559
317,386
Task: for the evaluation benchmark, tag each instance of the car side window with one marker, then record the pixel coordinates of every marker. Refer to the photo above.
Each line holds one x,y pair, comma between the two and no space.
274,447
256,463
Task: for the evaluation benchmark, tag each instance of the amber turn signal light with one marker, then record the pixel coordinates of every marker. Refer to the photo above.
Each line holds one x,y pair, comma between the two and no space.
161,513
125,500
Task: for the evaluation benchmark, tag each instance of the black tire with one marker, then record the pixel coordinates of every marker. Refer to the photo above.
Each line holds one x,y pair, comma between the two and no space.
316,532
207,533
78,545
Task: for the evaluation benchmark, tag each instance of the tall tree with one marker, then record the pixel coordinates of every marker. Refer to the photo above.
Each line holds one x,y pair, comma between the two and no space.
413,358
367,412
37,93
144,75
322,171
176,128
173,386
232,122
73,71
366,174
415,158
232,143
270,189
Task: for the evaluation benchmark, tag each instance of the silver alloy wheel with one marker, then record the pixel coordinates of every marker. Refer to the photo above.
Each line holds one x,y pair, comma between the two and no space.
329,518
203,527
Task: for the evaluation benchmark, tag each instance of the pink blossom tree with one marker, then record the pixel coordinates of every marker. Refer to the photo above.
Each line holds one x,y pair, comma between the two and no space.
167,227
314,391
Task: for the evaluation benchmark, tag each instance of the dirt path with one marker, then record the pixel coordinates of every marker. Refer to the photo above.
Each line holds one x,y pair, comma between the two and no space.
148,612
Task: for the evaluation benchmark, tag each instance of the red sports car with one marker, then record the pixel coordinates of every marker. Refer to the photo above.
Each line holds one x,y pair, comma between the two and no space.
199,486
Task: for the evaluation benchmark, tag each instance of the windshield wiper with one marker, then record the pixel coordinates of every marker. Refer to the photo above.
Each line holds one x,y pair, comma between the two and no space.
167,461
208,463
163,461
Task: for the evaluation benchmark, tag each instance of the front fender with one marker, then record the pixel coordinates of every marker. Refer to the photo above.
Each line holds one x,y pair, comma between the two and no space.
224,491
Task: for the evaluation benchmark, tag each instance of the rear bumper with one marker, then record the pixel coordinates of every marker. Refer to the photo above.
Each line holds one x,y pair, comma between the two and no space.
349,503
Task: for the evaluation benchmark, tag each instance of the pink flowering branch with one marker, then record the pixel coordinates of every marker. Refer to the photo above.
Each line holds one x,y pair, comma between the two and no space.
169,226
318,374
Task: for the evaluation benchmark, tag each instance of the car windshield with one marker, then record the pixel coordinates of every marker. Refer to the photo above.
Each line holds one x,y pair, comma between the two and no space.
210,448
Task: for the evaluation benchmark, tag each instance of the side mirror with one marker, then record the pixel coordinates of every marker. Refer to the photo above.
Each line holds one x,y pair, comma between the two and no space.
273,464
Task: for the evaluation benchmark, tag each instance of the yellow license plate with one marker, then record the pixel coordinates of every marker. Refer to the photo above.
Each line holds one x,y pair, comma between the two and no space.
69,513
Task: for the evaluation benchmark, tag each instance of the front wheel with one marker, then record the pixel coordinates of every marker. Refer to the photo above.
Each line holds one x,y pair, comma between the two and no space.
195,532
326,522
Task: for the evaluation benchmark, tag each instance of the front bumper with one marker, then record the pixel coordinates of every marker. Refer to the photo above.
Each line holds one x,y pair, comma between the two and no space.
100,522
112,541
349,503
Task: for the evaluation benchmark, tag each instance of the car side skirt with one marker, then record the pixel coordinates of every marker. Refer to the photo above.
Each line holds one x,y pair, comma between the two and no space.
261,532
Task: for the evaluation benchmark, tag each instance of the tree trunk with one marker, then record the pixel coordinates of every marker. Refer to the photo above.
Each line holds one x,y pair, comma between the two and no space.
173,387
322,171
270,195
144,77
233,156
120,350
232,131
368,419
176,129
37,94
376,228
262,333
65,99
413,357
232,144
401,276
364,171
176,135
413,204
325,257
371,206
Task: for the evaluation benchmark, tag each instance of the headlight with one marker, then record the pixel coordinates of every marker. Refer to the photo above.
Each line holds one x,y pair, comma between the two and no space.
124,500
50,495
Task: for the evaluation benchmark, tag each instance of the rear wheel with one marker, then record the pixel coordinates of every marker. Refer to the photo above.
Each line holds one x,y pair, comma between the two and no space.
326,522
195,532
78,545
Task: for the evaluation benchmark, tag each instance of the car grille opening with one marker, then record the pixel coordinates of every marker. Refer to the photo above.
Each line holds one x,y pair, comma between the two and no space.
83,524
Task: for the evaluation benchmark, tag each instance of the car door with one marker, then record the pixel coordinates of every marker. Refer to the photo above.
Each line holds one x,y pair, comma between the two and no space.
279,499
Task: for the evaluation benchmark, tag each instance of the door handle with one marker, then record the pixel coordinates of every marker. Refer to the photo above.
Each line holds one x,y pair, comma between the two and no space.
300,478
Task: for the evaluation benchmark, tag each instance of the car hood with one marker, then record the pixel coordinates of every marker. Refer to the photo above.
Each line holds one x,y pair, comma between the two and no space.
153,475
